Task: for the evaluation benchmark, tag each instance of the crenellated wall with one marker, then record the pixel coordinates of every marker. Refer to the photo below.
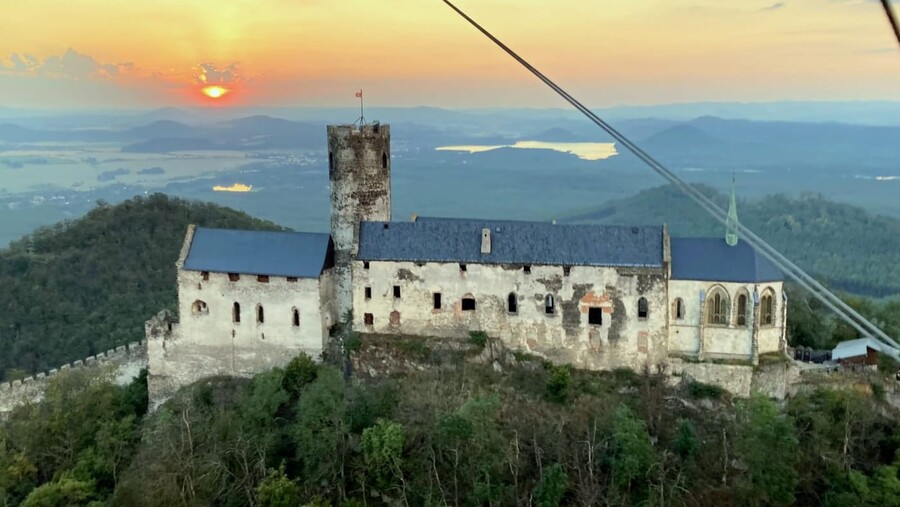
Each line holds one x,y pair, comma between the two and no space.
128,360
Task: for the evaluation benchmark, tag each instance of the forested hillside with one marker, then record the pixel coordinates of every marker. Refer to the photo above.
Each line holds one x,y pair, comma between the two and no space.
457,433
843,245
88,285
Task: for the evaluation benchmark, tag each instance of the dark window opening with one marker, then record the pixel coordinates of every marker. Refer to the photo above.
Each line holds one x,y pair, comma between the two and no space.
768,315
549,305
262,278
679,309
468,304
512,303
717,308
236,313
462,267
205,275
365,264
567,270
395,318
199,307
742,310
260,315
296,317
643,308
369,319
397,291
526,269
368,292
292,279
437,300
595,316
384,160
233,277
386,225
330,161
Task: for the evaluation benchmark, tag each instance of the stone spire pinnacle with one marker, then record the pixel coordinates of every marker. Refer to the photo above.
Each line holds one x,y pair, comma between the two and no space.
731,222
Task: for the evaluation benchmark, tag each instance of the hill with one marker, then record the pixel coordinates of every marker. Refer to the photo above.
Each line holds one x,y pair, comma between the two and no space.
89,285
844,245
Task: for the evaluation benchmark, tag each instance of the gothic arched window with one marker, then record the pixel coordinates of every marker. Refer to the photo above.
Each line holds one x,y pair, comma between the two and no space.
741,318
717,307
767,308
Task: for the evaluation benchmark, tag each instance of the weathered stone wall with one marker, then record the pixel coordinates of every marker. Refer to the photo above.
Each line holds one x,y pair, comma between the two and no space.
359,169
726,341
126,362
736,379
621,340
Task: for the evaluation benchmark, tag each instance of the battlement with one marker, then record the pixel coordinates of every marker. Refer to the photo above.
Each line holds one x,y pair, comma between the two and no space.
129,360
368,130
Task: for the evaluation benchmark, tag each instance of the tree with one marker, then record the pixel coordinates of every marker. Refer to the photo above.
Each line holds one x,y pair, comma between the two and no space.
766,445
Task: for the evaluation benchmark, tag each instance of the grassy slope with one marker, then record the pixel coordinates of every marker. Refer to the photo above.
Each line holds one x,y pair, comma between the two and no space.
86,286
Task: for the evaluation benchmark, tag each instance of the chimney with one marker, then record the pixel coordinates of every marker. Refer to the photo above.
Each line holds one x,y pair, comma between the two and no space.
485,241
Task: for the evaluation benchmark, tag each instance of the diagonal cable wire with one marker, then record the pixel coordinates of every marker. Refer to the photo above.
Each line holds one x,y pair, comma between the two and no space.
831,301
892,18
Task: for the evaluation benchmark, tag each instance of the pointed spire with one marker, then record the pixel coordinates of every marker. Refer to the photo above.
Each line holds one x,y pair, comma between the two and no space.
731,222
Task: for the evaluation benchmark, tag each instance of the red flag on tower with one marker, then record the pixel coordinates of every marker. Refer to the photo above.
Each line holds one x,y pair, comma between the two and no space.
359,94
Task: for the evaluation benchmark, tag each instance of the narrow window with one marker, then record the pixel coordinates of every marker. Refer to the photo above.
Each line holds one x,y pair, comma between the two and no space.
462,268
512,303
768,317
468,304
365,264
295,317
742,310
549,307
236,313
330,161
679,309
395,318
643,308
397,291
567,270
205,275
292,279
384,160
369,319
437,300
595,316
717,308
260,314
527,269
368,292
262,278
234,277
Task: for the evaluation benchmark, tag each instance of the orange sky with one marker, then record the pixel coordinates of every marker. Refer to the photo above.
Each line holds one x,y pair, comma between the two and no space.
142,53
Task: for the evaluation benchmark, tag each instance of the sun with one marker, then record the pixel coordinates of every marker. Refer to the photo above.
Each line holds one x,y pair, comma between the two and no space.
215,92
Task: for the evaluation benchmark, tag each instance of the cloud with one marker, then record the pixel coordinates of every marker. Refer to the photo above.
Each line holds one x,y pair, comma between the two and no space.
774,7
69,65
208,73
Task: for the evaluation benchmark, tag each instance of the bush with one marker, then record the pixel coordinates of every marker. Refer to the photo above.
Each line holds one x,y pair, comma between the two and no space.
699,390
559,383
478,338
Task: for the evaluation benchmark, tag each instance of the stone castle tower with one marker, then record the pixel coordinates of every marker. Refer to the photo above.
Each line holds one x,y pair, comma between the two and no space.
359,170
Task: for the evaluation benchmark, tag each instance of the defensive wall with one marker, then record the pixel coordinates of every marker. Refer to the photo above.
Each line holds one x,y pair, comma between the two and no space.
127,360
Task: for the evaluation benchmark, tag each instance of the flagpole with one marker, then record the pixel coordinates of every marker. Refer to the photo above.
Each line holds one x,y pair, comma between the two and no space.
362,116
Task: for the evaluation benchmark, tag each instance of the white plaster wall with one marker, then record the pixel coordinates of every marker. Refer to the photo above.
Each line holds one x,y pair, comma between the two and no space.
203,345
729,341
621,341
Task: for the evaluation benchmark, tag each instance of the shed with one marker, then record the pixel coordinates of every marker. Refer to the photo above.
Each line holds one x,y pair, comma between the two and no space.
859,351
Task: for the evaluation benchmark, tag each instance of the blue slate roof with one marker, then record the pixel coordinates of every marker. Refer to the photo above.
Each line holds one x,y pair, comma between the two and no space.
295,254
512,242
711,259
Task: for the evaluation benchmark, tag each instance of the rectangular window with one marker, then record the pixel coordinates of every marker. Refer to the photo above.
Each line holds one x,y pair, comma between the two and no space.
595,316
397,291
567,270
368,292
365,264
262,278
462,268
205,275
468,304
369,319
292,279
437,300
234,277
527,269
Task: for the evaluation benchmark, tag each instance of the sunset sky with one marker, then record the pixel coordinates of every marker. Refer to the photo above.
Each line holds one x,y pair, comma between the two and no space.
143,53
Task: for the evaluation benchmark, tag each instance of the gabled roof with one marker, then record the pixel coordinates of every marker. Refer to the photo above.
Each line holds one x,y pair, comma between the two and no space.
711,259
512,242
855,348
295,254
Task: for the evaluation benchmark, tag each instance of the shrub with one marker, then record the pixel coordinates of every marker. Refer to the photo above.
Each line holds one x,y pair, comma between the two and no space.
699,390
478,338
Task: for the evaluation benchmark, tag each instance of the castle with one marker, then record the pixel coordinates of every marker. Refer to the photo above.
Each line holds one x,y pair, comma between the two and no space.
594,296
